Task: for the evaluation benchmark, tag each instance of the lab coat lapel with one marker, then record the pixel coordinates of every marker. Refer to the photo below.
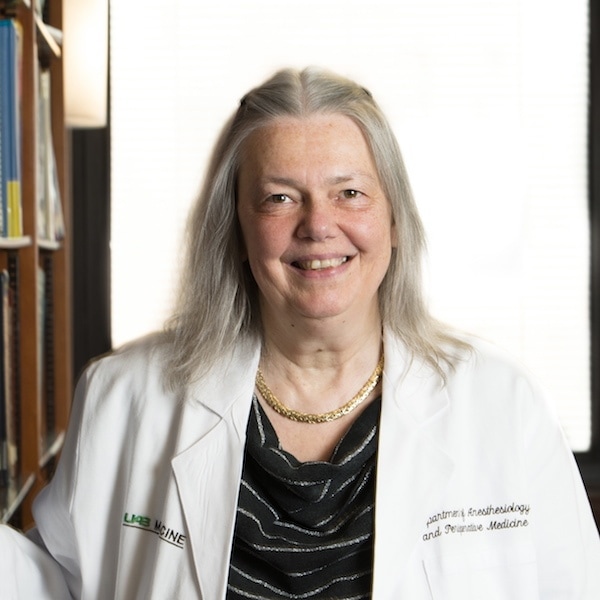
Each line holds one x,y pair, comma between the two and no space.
413,468
208,472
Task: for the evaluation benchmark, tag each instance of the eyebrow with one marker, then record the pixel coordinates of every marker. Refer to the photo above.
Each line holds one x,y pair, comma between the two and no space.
337,179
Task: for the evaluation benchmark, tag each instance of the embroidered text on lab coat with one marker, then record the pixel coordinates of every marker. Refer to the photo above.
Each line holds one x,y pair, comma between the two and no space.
165,534
491,517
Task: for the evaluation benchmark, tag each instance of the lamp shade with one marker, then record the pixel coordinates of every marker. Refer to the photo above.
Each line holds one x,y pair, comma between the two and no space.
85,62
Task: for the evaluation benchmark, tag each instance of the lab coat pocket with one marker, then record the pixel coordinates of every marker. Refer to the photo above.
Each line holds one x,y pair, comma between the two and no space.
508,572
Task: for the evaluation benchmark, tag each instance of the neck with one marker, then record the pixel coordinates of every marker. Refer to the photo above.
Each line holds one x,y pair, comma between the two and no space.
320,343
316,369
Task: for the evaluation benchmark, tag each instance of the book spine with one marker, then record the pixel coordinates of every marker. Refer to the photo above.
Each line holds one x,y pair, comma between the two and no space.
16,210
50,215
4,122
4,410
47,329
8,417
7,383
12,362
10,121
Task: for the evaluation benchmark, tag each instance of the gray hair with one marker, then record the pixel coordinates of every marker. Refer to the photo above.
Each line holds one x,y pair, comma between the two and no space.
218,298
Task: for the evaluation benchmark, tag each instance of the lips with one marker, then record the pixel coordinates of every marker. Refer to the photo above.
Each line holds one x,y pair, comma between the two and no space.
317,265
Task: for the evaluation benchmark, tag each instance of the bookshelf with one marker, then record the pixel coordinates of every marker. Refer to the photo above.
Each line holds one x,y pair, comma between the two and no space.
37,351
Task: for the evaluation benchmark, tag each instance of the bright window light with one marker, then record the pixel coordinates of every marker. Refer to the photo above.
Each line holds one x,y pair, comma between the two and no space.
488,100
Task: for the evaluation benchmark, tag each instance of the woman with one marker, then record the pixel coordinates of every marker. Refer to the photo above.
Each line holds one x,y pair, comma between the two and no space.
304,429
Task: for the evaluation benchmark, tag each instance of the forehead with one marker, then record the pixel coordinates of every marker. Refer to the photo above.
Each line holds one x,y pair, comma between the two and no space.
315,138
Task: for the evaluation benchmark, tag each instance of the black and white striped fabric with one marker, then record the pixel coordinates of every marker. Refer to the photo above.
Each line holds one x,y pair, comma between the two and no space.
305,530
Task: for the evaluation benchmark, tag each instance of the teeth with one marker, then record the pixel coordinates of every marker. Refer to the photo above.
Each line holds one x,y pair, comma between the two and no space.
315,265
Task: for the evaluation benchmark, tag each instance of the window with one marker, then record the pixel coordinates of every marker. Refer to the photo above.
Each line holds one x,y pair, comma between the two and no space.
489,103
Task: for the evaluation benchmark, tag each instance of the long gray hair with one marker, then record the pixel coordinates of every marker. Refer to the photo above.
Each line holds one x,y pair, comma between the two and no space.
218,299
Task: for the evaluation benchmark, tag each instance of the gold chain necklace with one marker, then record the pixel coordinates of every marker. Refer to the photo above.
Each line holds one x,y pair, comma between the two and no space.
332,415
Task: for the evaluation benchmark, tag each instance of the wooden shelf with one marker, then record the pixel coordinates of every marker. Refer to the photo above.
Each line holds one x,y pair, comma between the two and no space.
15,242
40,275
49,245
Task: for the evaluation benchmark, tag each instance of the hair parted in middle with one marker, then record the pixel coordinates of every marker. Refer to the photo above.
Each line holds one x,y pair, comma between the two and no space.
218,299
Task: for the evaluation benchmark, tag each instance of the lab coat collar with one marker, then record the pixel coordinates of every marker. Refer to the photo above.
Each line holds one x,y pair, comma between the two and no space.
413,466
208,470
232,378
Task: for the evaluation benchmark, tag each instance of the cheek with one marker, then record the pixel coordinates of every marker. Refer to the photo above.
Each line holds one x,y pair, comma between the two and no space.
243,248
250,235
376,234
261,243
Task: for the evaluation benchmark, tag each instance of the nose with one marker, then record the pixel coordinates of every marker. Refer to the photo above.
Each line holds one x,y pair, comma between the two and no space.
318,220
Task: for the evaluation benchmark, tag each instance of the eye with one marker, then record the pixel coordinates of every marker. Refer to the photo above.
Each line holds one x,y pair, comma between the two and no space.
278,198
350,194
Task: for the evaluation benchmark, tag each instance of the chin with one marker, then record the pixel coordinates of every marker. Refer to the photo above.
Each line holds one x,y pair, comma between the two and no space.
322,312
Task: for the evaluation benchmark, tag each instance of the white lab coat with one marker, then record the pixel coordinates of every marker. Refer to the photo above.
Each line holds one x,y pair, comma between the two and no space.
477,493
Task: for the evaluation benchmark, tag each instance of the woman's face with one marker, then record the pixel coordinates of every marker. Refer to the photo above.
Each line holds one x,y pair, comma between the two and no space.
316,225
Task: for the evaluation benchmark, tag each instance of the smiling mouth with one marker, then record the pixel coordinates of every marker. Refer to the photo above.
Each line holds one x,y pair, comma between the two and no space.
317,265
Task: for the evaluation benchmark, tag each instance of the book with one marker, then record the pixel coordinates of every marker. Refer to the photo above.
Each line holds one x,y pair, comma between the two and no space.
8,425
4,126
10,123
4,433
50,219
41,316
47,357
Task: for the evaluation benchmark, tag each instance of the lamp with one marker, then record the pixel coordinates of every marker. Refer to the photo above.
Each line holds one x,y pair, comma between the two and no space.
85,62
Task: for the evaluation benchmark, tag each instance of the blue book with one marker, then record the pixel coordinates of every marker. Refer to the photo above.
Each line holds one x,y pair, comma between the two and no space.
4,117
10,132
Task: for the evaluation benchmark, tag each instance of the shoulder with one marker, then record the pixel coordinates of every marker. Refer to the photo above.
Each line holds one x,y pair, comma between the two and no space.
133,361
127,377
462,358
481,377
490,365
137,373
497,386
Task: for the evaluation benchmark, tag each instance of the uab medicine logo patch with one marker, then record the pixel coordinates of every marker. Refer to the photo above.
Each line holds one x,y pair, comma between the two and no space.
164,533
